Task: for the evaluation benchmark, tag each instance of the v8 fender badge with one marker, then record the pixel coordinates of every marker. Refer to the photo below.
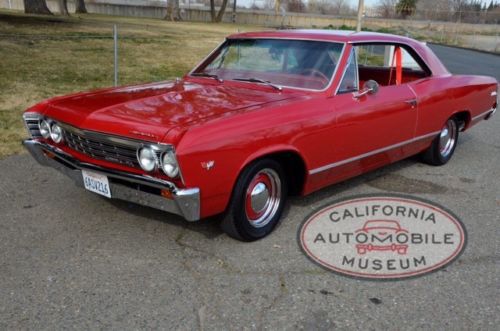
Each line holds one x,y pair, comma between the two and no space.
208,165
382,237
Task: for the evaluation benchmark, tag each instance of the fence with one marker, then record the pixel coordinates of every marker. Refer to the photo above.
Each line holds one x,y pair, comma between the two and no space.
472,29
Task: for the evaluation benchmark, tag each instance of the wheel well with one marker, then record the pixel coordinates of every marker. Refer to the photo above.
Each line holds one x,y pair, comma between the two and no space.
463,119
294,167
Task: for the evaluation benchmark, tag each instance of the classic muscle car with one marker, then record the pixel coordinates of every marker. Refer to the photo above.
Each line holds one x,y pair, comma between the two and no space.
266,115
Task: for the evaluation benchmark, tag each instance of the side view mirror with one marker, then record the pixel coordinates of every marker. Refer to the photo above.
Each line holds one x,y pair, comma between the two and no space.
369,87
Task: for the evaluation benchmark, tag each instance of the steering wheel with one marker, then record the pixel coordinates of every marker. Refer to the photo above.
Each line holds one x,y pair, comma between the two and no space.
315,73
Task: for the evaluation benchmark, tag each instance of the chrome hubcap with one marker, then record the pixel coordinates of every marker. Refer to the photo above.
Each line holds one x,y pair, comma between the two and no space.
263,197
447,138
259,197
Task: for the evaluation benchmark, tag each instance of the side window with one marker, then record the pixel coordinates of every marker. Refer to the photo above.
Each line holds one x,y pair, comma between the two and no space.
387,64
349,82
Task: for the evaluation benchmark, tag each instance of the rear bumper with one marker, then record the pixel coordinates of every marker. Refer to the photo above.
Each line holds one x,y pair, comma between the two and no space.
142,190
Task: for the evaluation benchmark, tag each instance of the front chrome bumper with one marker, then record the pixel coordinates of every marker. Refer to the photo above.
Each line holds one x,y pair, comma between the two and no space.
124,186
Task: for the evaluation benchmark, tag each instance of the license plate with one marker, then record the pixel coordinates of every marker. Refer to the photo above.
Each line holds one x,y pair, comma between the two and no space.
96,183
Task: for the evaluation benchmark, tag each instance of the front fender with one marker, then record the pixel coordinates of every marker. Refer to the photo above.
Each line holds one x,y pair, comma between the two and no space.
216,181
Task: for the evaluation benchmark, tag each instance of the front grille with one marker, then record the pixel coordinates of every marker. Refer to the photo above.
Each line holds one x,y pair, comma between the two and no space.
31,121
100,147
94,144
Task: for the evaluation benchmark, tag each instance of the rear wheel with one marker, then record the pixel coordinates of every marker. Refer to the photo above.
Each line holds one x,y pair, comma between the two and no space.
443,146
257,202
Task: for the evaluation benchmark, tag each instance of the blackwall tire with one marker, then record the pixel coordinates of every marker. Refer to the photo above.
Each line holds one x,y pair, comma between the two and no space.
257,202
443,146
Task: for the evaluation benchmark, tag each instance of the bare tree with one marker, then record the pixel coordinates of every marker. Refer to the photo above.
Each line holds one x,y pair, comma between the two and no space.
277,5
217,17
339,6
80,7
173,11
36,7
387,8
296,6
63,7
434,10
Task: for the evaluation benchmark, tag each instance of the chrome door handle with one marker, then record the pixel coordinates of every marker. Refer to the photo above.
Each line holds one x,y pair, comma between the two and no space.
412,102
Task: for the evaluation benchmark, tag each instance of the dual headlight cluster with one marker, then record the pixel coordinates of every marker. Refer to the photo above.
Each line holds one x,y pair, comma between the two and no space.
150,157
51,130
149,160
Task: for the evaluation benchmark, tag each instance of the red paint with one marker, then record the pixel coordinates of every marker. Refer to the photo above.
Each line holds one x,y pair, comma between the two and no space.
233,123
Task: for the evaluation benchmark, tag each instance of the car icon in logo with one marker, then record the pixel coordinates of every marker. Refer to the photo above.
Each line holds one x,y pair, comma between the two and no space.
382,230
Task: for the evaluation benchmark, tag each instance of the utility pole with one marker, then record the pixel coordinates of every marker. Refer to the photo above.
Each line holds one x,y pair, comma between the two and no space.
115,43
361,8
234,11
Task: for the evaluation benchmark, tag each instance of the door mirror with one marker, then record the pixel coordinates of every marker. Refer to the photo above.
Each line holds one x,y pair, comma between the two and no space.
369,87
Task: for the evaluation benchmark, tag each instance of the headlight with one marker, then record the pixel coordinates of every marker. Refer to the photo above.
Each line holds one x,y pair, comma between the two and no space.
44,127
56,133
147,158
169,164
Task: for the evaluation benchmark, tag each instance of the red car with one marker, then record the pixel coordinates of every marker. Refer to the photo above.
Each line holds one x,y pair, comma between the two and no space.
265,115
382,230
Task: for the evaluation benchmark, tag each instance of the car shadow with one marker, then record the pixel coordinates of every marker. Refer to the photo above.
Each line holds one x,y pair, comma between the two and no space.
208,227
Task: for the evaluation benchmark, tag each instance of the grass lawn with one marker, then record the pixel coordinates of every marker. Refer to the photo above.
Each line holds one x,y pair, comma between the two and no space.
41,57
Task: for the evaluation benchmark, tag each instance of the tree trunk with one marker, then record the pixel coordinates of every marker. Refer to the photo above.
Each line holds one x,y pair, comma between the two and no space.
178,15
80,7
169,15
212,10
63,7
36,7
222,9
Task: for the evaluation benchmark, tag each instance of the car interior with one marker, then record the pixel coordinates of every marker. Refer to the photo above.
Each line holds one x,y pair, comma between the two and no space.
387,65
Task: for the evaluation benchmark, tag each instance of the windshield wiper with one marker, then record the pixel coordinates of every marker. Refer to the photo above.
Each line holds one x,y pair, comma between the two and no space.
258,80
204,74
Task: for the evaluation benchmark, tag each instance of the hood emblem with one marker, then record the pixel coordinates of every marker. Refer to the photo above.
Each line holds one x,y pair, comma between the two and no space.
207,165
144,134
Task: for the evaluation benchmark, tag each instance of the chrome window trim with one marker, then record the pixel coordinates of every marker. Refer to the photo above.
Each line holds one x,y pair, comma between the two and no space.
387,42
344,45
364,155
353,50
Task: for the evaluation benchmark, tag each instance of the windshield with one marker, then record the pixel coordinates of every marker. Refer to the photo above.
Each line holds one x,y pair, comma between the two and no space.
292,63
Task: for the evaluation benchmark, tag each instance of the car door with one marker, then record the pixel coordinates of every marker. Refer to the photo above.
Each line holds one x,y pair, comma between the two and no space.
370,129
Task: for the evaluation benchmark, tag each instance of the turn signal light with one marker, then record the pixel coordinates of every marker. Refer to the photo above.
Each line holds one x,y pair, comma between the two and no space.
167,194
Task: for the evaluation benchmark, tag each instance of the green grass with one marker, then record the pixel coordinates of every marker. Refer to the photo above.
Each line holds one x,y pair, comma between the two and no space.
41,57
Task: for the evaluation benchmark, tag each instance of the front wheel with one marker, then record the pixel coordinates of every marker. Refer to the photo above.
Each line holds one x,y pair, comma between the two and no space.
443,146
257,202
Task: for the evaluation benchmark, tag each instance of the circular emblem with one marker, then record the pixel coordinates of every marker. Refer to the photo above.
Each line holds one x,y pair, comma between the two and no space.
382,237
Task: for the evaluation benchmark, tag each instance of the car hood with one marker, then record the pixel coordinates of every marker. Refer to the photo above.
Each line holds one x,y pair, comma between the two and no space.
149,111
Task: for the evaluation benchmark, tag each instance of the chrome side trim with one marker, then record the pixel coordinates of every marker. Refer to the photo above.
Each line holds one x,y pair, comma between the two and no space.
186,202
377,151
488,113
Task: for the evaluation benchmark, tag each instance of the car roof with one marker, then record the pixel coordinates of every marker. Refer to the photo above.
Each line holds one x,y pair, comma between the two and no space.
327,35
